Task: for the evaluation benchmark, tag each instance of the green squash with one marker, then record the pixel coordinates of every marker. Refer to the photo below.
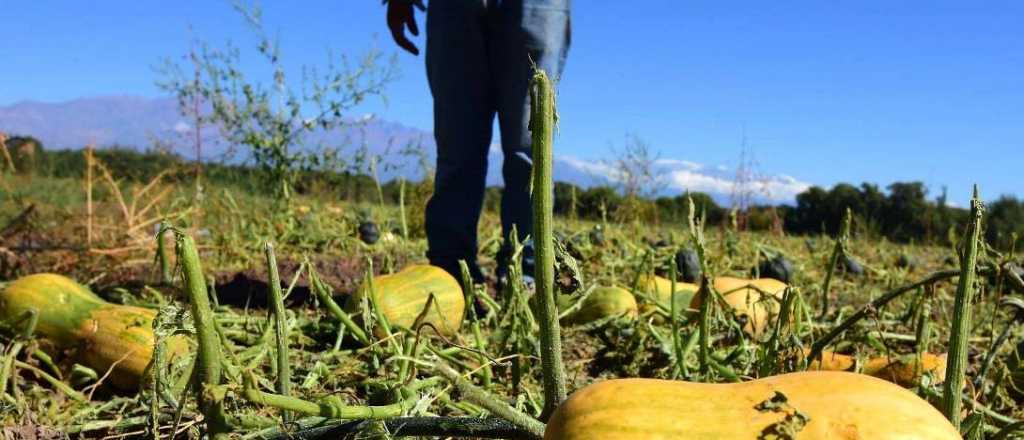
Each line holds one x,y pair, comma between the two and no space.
403,295
99,334
604,302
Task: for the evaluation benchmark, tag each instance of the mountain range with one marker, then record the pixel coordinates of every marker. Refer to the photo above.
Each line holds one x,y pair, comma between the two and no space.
139,122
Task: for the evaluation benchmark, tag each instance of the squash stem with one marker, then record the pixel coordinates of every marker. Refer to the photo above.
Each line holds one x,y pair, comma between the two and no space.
705,325
401,209
284,371
323,294
677,348
331,407
164,254
957,360
210,361
542,121
838,251
481,344
489,402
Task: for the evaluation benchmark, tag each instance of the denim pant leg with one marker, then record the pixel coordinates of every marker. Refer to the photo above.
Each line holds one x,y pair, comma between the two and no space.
526,30
459,77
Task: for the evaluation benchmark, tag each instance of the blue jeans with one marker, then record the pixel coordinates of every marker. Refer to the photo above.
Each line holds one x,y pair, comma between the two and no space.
478,59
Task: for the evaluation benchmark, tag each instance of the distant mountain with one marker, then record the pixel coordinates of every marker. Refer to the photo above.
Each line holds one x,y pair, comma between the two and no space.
107,120
139,122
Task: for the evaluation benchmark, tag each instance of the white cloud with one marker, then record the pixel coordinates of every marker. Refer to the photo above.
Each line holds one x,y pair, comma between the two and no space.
592,167
680,176
686,180
677,163
181,127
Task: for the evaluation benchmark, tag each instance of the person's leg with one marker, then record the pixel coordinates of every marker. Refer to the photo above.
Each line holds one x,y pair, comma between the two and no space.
526,32
459,77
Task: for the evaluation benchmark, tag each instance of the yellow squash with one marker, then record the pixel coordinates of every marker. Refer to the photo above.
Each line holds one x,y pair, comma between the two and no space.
904,369
900,369
403,295
756,300
604,302
841,406
99,334
660,289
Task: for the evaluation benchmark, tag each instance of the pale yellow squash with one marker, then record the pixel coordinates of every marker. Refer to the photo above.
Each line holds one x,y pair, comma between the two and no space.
841,406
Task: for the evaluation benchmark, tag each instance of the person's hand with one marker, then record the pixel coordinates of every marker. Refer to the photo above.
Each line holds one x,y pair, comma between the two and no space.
400,15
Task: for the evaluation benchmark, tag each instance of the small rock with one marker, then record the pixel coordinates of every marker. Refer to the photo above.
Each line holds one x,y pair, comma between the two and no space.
369,233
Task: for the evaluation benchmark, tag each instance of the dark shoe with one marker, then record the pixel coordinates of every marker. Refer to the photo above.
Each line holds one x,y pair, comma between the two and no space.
504,259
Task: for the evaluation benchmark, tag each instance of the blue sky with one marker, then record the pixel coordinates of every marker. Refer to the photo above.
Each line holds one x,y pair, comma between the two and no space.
826,91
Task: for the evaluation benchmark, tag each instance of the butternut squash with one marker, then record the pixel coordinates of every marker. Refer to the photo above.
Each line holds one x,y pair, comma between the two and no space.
899,369
98,333
839,406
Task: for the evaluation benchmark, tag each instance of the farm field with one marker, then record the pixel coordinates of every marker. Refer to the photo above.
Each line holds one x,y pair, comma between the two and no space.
318,358
750,220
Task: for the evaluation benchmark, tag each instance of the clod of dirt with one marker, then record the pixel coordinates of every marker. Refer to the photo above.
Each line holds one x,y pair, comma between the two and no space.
852,266
907,262
688,265
30,431
249,288
779,268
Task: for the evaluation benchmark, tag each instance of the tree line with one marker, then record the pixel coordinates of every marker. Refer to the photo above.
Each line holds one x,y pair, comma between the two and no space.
901,212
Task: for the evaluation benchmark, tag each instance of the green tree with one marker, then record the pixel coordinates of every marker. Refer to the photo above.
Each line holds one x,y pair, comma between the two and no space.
274,121
1005,221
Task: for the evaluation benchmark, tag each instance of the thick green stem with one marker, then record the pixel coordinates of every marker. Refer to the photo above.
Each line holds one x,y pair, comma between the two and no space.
922,332
284,369
677,347
705,324
491,403
401,209
7,365
164,254
481,344
956,363
837,252
210,360
53,381
323,294
331,407
542,121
